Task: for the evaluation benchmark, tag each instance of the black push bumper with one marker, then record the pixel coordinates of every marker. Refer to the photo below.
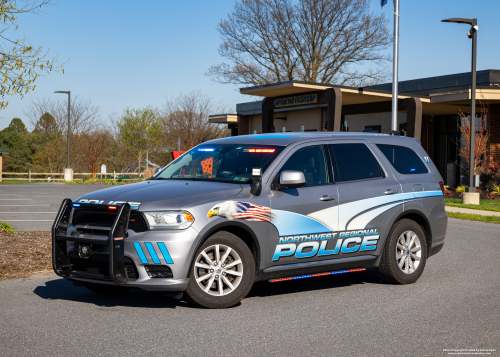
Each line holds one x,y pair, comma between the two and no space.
61,261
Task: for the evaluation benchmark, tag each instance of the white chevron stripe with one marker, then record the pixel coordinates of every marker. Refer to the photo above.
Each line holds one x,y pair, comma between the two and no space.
363,219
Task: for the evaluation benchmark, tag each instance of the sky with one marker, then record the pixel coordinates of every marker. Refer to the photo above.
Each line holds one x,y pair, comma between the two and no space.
123,53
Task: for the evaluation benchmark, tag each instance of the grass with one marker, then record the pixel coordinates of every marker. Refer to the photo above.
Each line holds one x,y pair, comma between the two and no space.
474,217
5,227
15,182
486,205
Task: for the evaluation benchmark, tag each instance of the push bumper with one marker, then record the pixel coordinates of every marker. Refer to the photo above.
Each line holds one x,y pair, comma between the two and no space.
125,256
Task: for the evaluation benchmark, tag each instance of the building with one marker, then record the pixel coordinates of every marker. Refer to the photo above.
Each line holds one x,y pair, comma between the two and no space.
428,110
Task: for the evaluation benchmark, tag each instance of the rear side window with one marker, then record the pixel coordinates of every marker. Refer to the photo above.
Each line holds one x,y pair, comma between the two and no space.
403,159
354,162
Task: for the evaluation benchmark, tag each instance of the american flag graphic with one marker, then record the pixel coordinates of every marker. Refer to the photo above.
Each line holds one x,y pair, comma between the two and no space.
251,212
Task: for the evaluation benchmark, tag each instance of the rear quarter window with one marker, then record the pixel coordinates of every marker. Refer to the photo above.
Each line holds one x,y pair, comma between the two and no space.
403,159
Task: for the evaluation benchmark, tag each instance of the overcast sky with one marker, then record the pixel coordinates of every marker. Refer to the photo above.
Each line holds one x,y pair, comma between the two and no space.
133,53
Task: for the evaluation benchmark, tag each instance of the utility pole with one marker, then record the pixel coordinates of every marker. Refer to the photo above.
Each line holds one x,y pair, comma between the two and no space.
68,172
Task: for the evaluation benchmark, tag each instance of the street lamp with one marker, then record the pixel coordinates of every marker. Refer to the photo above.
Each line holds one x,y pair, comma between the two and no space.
473,35
68,173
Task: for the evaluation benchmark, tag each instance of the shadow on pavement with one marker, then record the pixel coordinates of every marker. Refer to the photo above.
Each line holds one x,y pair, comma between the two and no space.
61,289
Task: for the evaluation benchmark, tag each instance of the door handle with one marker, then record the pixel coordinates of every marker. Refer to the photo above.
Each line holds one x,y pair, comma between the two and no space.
327,198
390,192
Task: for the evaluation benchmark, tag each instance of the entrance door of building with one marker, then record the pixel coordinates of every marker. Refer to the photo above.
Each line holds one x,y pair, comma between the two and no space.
446,148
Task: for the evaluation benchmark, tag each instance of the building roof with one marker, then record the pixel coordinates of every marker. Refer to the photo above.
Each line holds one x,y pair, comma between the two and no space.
430,85
3,150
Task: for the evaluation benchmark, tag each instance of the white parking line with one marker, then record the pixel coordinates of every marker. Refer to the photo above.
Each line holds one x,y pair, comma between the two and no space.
15,199
22,205
3,212
31,220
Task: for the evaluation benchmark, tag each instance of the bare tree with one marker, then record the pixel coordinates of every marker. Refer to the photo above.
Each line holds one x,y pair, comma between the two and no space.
85,115
186,117
310,40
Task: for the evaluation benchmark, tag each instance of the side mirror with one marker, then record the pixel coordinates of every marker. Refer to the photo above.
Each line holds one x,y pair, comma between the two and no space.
291,179
157,169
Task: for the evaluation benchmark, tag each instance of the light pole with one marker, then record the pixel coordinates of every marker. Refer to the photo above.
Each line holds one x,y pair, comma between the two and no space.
473,35
68,173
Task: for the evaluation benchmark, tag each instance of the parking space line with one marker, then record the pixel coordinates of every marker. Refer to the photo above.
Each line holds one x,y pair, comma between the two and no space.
31,220
22,205
26,212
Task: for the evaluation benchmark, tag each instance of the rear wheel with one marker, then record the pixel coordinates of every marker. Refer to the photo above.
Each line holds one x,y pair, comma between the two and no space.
107,289
222,273
405,253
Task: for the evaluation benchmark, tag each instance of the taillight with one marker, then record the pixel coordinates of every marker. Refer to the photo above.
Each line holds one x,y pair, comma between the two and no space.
441,184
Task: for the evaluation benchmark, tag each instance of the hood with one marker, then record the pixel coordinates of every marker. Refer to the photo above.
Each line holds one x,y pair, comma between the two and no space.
166,194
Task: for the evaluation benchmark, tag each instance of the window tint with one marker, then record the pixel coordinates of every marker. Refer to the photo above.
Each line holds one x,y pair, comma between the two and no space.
311,161
354,162
403,159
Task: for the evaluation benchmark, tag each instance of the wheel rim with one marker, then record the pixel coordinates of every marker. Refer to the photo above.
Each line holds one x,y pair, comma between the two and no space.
218,270
408,252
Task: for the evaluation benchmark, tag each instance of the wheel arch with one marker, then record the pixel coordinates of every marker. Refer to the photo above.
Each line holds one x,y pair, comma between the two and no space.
421,220
237,228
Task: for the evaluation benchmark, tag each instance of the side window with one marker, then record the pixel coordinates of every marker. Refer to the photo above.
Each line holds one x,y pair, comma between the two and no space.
354,162
403,159
311,161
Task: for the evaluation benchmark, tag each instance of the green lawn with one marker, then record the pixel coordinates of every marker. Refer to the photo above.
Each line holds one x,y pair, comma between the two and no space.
487,205
474,217
15,182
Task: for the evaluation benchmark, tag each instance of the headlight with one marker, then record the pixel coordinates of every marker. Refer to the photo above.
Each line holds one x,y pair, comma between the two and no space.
169,220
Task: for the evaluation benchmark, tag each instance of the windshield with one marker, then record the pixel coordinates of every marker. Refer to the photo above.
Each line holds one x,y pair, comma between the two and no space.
223,163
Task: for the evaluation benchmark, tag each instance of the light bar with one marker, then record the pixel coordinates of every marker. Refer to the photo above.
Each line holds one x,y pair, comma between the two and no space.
76,205
206,149
112,207
262,150
316,275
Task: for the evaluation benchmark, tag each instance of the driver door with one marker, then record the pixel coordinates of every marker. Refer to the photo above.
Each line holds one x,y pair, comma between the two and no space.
306,218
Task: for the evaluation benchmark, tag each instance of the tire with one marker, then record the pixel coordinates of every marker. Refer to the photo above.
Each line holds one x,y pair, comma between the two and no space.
231,275
400,265
107,289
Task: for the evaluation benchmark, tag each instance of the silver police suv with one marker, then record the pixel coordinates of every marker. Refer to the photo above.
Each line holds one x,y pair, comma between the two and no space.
249,208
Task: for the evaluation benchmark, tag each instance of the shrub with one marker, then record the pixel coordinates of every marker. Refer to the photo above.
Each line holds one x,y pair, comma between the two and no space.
5,227
492,196
447,193
495,189
460,188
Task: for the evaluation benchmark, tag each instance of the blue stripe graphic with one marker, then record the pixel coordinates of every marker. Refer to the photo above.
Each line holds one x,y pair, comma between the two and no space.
165,253
421,194
138,248
152,252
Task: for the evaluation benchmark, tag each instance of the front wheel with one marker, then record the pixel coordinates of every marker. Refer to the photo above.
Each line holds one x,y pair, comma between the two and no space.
405,253
222,273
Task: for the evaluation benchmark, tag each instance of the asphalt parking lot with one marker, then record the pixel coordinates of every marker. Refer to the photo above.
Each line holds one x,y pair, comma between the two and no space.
454,305
33,207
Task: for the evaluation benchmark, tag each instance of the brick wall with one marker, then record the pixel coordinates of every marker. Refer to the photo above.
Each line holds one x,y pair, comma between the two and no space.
427,135
243,124
494,133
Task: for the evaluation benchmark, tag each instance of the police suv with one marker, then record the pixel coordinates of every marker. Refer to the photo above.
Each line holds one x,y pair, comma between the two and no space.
249,208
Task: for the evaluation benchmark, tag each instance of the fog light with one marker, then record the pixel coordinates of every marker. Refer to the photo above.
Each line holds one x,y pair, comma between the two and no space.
159,271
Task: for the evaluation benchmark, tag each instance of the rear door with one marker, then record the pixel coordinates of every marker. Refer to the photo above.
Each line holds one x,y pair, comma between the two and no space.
368,196
305,217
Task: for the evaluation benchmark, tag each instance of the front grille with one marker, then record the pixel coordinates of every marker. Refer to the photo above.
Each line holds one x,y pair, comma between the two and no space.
93,266
137,222
101,266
